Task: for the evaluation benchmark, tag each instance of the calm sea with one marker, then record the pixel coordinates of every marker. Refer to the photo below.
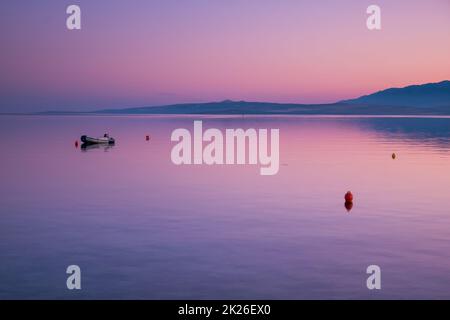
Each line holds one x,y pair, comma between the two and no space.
140,227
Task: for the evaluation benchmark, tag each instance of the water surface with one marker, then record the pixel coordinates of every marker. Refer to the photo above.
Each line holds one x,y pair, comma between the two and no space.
142,228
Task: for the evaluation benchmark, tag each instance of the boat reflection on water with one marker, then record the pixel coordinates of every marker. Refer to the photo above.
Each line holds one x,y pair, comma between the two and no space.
89,147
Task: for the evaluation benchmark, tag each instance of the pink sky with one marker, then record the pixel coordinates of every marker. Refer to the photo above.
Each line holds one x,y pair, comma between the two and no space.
144,53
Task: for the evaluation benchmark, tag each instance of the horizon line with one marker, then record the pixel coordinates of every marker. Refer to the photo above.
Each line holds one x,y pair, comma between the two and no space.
344,101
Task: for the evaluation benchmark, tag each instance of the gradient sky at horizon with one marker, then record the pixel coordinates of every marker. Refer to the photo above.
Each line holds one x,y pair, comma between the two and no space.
143,53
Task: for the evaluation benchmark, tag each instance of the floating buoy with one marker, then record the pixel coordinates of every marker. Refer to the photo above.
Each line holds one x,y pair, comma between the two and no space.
76,143
348,197
394,156
348,205
147,137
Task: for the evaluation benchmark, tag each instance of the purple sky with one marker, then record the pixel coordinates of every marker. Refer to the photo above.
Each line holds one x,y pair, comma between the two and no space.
141,53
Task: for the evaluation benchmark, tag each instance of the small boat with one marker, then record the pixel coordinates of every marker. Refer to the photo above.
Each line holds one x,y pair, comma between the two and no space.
106,139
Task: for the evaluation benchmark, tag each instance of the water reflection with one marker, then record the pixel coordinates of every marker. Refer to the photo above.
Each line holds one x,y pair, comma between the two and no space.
348,205
218,232
89,147
431,131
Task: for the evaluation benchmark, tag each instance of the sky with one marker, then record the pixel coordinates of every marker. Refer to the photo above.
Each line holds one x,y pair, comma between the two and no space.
144,53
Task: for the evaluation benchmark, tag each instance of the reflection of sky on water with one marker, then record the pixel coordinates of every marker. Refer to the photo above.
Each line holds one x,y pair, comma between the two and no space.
141,227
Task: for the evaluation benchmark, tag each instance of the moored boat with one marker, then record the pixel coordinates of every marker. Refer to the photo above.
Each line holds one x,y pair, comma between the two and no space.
106,139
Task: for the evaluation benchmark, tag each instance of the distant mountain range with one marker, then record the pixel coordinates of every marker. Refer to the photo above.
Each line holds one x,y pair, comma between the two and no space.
425,95
425,99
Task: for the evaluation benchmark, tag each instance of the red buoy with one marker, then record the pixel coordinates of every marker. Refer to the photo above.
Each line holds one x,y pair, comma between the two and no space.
147,137
348,197
76,143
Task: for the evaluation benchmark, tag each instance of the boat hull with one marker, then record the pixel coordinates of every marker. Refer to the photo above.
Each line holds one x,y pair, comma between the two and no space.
89,140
